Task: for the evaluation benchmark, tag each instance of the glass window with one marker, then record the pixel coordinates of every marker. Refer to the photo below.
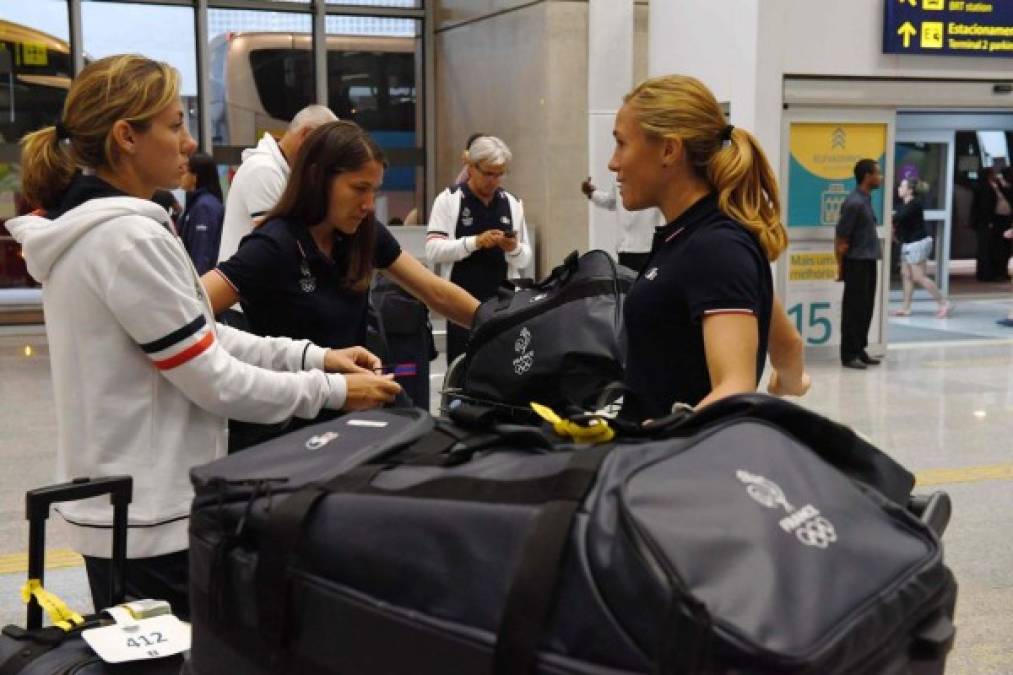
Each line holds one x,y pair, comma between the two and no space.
159,32
35,72
284,80
375,89
373,78
261,73
378,3
994,149
925,165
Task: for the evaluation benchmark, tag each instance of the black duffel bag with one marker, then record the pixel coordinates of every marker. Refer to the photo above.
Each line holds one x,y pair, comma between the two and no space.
387,543
558,342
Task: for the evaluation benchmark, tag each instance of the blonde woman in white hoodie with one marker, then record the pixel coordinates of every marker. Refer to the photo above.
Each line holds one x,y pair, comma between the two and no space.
143,378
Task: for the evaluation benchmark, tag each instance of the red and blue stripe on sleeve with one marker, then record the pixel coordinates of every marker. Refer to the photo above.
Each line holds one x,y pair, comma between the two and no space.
181,345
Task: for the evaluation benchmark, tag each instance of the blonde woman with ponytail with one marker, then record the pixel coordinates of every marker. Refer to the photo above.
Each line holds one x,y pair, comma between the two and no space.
702,316
143,379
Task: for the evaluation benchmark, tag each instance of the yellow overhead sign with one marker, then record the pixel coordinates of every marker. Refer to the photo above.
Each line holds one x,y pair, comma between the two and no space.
957,27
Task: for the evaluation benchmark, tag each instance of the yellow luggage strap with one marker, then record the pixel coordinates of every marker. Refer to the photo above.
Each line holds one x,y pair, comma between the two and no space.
596,431
59,613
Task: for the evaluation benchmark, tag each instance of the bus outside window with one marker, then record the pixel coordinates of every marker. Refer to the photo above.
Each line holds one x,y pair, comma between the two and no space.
259,80
35,72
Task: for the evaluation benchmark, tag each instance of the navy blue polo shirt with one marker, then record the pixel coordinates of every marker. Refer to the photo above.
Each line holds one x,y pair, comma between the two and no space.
702,263
289,288
484,270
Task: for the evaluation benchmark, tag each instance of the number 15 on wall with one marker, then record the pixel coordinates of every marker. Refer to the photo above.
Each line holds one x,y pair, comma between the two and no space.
814,324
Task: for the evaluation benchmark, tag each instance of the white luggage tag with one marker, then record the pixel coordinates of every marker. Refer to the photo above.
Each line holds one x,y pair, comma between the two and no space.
131,639
375,424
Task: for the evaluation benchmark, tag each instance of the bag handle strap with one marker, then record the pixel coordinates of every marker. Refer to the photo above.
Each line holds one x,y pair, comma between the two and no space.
533,591
285,528
561,273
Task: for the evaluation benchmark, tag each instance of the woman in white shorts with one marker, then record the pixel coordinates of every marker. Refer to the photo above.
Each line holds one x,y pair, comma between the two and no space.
916,245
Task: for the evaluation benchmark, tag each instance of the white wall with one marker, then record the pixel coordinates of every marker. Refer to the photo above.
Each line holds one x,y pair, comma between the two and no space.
520,73
716,42
610,77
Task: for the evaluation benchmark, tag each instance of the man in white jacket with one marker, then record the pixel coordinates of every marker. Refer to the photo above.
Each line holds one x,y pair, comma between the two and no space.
636,228
477,234
262,177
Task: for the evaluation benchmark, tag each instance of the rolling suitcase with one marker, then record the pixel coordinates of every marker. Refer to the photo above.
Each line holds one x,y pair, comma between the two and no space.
755,537
55,650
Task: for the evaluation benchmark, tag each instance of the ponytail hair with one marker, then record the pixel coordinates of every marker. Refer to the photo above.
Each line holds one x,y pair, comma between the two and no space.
47,167
123,87
728,158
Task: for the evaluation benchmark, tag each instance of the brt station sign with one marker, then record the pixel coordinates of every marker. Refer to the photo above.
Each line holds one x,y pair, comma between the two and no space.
949,27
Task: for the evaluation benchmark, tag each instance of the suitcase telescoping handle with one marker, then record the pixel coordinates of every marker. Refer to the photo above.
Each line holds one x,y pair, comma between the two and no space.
37,502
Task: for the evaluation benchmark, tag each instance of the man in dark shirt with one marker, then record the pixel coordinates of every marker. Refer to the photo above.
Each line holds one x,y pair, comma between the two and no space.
857,249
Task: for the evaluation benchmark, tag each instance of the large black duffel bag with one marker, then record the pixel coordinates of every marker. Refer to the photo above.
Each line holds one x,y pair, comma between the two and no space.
386,543
558,342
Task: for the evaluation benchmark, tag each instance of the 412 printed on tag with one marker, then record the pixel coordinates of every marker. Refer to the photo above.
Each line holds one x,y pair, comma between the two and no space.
152,638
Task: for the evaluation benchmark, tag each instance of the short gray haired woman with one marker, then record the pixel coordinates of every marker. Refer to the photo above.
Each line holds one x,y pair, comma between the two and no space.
488,150
477,234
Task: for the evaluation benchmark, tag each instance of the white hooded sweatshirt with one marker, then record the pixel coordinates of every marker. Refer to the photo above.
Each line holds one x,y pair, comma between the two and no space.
255,190
144,380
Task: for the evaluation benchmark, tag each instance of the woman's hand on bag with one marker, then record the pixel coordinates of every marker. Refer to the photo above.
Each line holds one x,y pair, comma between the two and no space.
366,390
781,386
351,360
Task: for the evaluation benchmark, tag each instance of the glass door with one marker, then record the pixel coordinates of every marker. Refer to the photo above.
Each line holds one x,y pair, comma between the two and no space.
925,160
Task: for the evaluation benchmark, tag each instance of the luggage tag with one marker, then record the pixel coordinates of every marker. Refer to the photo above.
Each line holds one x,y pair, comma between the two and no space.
375,424
131,639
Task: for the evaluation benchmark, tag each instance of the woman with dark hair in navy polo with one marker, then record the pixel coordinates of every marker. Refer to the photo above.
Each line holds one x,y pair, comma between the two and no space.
306,270
702,316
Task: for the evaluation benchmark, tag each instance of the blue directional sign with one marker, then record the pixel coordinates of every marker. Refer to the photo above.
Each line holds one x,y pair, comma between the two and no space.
949,27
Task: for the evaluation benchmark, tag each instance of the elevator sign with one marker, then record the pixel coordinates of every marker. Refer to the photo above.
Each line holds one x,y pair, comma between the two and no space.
949,27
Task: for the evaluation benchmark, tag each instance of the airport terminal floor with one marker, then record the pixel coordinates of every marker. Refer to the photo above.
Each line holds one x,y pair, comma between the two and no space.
941,404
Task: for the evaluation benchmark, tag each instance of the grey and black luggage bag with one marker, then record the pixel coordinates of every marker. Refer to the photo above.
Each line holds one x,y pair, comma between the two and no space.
389,542
559,341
